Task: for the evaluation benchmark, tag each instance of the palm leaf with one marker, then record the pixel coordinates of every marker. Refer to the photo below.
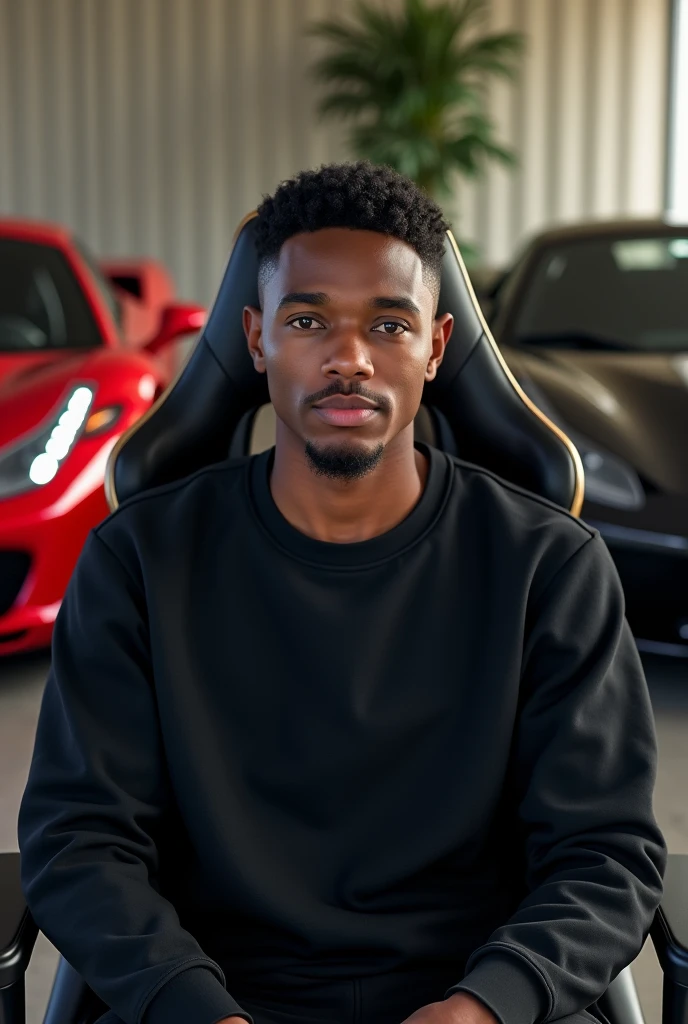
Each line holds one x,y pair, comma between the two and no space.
412,82
497,54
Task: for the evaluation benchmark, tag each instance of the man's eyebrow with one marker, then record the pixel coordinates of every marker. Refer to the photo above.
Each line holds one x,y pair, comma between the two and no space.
306,298
321,299
394,302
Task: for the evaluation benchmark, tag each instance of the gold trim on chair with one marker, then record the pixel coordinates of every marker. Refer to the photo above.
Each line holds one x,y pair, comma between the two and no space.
110,491
579,490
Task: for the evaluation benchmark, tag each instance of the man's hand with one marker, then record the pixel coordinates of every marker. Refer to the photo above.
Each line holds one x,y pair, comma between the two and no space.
459,1008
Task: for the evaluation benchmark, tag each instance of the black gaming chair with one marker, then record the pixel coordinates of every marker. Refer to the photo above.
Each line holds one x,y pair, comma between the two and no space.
474,409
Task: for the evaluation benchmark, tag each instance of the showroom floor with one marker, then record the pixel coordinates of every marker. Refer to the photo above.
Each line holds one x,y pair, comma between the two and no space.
21,685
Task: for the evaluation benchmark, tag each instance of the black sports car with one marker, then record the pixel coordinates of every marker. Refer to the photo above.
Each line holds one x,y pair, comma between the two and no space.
593,322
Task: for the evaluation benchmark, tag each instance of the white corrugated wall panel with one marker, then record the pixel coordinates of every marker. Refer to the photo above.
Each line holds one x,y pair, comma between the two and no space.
533,150
570,112
606,65
152,126
647,100
499,182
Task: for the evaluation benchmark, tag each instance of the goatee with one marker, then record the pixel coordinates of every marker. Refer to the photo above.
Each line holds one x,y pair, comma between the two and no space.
343,462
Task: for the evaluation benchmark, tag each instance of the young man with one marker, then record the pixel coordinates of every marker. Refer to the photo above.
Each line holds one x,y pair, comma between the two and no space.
350,730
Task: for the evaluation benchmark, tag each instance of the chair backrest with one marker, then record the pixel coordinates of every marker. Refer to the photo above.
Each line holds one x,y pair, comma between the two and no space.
474,408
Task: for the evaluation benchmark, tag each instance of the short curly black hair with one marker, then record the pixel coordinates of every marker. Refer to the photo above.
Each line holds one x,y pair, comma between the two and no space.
357,195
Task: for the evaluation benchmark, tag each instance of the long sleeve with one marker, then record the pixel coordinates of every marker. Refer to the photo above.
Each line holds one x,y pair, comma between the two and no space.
582,774
96,797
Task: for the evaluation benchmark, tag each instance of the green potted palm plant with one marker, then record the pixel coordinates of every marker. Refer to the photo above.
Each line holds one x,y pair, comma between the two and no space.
412,83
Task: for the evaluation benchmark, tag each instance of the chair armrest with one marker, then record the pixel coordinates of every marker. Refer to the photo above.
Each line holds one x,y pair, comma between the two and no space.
670,927
17,928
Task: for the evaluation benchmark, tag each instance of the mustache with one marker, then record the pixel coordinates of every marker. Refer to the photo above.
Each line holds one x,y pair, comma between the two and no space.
355,388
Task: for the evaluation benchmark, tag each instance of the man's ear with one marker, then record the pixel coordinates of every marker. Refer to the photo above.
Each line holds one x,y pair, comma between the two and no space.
253,329
442,327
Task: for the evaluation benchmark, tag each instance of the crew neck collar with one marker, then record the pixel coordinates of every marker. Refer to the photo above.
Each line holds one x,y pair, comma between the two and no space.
358,553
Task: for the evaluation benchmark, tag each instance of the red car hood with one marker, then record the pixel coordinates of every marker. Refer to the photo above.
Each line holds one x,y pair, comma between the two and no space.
16,366
31,385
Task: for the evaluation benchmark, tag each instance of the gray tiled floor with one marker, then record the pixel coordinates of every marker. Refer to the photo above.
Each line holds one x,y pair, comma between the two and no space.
21,686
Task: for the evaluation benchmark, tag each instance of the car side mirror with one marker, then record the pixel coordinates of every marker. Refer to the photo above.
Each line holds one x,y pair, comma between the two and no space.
177,319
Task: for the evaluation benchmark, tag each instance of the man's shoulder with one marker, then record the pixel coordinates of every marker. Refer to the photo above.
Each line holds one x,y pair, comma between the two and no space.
530,538
516,514
192,499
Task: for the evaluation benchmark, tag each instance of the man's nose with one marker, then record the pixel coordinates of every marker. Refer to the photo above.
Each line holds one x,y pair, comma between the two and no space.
349,353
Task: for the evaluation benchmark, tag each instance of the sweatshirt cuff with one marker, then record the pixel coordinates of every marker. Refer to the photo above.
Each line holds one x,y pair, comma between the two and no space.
509,987
194,996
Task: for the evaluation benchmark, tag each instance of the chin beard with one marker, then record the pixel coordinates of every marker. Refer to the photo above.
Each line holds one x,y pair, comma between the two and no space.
343,462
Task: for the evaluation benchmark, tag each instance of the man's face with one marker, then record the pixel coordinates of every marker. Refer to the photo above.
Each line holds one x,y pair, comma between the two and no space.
347,319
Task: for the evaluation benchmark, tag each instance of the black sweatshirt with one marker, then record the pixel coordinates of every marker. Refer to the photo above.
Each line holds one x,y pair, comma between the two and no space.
262,753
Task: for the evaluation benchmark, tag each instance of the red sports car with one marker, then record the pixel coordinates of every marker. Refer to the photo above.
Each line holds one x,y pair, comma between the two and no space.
84,352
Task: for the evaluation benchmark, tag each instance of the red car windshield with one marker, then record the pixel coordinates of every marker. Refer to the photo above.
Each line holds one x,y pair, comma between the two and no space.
42,306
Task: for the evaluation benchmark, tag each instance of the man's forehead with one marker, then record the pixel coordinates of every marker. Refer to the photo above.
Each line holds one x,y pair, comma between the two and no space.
353,258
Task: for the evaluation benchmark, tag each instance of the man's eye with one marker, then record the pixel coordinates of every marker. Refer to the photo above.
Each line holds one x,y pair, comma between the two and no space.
304,322
389,327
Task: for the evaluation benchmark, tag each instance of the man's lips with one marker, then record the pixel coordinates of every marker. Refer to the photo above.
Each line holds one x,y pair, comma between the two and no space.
345,410
345,402
351,417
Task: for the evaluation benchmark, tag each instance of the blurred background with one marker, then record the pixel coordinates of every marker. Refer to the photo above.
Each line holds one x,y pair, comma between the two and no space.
153,126
553,132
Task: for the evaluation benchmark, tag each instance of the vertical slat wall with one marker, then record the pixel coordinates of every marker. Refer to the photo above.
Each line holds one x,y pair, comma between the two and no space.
152,126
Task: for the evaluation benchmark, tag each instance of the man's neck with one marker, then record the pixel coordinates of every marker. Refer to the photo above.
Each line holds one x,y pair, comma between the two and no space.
347,511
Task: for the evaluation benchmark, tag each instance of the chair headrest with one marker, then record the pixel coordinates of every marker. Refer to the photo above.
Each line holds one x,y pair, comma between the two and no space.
480,412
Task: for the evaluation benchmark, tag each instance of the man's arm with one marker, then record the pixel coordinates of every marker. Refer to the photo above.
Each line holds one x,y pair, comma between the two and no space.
582,775
96,798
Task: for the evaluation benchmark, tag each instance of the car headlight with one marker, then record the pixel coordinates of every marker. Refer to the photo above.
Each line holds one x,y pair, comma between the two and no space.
35,459
609,480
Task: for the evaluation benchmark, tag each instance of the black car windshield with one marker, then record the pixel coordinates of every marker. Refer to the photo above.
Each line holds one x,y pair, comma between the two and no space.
41,303
608,294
